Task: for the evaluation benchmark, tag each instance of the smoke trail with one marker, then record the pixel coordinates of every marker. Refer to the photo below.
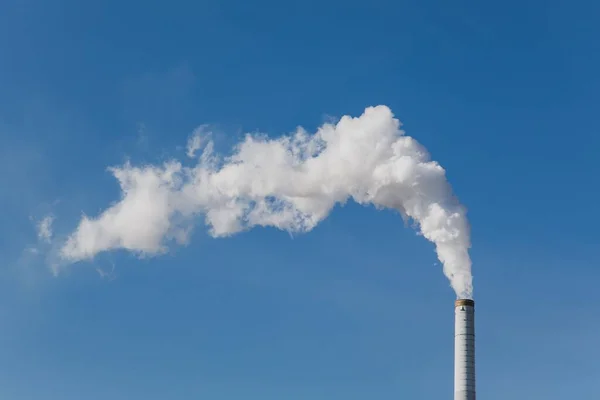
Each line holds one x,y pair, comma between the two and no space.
290,183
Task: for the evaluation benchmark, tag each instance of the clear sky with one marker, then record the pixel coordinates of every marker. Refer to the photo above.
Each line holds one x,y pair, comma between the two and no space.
503,94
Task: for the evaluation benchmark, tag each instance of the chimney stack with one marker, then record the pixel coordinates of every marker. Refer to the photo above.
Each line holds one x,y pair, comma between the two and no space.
464,349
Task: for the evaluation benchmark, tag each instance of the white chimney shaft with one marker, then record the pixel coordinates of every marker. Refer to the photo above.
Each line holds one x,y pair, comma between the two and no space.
464,350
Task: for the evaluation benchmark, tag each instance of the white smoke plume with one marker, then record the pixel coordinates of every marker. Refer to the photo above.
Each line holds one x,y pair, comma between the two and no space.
44,228
291,183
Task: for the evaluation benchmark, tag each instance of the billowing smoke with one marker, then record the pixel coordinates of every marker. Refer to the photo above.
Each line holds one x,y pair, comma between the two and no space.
291,183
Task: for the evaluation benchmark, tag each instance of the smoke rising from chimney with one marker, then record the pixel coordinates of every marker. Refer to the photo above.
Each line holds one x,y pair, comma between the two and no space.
291,183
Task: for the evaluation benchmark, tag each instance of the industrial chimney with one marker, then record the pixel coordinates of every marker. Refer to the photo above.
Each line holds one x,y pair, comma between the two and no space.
464,349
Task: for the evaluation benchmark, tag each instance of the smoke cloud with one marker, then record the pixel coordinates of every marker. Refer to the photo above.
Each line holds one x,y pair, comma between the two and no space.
44,228
291,183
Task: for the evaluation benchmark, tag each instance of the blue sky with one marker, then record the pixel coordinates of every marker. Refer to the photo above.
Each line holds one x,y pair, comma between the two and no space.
503,95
